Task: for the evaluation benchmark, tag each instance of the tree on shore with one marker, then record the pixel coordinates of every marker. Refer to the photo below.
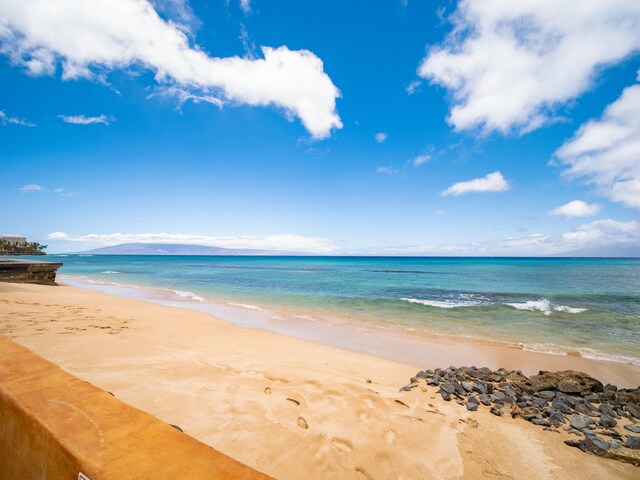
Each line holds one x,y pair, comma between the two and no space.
28,248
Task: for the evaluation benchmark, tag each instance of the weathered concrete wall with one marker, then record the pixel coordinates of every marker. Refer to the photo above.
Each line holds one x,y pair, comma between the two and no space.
54,426
26,271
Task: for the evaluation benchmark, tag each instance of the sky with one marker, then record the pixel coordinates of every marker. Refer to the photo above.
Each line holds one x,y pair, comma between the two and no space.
397,127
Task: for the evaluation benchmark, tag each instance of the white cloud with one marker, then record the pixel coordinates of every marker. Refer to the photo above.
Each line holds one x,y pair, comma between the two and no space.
282,242
84,120
182,95
245,5
493,182
381,137
508,64
438,212
602,237
387,170
33,187
90,39
577,208
604,232
6,120
413,87
420,159
606,152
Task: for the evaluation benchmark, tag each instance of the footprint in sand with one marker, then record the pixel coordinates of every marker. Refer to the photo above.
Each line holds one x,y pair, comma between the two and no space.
267,390
294,401
302,423
362,474
341,444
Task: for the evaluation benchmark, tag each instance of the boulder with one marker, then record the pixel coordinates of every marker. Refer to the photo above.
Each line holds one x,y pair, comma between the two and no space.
568,381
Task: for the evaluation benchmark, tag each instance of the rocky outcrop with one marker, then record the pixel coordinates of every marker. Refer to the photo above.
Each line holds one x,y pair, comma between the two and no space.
25,271
572,401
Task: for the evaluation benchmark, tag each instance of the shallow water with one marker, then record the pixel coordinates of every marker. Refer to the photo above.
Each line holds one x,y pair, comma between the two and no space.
591,306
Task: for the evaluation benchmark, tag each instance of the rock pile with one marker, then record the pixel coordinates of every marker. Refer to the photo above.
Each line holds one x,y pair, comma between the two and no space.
573,401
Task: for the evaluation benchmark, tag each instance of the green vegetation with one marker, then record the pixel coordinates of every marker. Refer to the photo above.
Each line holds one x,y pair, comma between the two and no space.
28,248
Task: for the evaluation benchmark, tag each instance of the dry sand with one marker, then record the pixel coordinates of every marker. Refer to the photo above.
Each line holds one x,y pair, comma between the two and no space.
290,408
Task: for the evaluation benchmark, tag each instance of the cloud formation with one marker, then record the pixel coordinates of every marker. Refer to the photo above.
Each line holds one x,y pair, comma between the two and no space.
509,64
84,120
601,237
381,137
90,39
245,5
577,208
493,182
420,159
282,242
6,120
387,170
606,152
34,187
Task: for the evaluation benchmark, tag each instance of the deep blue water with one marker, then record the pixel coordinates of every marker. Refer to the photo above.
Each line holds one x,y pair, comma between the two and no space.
589,305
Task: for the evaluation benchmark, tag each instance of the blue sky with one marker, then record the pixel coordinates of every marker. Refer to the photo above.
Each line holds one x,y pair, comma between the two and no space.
167,122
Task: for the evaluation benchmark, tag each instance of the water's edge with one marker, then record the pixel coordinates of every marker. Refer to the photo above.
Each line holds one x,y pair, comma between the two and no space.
370,338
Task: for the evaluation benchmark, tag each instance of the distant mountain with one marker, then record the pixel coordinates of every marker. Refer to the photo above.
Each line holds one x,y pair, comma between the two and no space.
176,249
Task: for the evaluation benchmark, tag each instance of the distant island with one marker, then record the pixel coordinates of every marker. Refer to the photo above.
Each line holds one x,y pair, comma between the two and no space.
176,249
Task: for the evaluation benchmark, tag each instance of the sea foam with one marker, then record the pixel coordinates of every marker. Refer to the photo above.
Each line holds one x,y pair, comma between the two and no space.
544,306
443,303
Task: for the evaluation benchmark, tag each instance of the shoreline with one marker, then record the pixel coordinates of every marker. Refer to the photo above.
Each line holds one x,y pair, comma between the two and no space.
423,350
287,407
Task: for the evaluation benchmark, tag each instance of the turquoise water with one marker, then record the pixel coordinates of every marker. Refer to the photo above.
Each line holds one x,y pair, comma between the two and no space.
591,306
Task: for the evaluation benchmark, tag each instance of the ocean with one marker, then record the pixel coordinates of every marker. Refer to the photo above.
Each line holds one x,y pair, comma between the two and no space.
589,307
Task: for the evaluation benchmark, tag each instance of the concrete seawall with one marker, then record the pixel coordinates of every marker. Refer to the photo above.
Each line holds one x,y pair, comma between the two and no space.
56,426
28,271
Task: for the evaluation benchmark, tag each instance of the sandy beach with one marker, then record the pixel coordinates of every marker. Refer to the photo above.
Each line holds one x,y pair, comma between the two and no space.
292,408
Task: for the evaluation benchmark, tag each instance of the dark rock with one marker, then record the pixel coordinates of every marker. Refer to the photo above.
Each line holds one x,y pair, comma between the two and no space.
584,408
595,444
633,410
423,374
632,442
541,422
557,416
610,388
568,381
480,387
447,387
559,404
633,428
433,382
407,388
607,421
508,390
485,399
468,386
569,386
497,396
472,406
546,394
580,421
540,402
497,411
445,395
